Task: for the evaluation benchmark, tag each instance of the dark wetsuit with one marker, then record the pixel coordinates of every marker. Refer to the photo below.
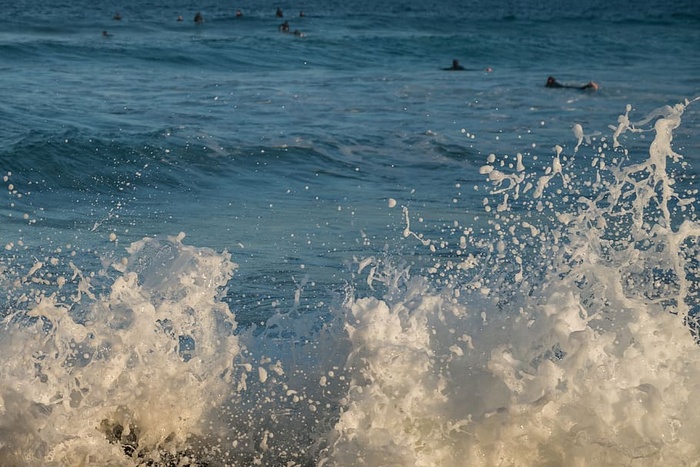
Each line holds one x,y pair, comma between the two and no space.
553,83
455,66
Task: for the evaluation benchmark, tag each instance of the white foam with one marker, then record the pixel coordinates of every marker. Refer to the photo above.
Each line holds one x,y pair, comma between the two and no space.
596,368
123,364
556,334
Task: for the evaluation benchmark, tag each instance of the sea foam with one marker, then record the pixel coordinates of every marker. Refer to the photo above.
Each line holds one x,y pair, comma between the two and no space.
562,331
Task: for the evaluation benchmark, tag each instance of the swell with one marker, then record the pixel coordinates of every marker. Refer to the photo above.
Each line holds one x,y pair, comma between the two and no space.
78,160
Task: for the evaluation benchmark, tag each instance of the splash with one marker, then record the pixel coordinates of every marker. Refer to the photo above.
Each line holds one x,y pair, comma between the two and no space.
562,330
571,341
125,377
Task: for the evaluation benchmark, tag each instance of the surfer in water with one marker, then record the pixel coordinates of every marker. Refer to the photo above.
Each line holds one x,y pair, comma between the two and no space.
553,83
455,66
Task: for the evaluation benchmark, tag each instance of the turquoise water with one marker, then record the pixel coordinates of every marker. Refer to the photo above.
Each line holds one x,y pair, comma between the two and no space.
384,263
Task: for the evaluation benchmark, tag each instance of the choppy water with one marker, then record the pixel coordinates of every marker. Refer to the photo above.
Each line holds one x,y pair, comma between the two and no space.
226,245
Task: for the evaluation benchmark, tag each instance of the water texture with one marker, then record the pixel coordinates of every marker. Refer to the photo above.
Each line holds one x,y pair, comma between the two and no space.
227,245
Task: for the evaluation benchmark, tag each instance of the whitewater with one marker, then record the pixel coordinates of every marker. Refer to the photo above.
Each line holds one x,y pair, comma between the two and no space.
226,245
590,358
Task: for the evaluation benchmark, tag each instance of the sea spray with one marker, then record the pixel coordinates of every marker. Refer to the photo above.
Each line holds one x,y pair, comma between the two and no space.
124,376
558,331
568,344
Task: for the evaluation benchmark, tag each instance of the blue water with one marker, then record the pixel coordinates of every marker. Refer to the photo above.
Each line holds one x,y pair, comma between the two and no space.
288,152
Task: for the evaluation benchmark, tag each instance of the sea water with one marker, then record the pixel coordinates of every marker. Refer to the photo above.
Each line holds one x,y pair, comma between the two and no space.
227,245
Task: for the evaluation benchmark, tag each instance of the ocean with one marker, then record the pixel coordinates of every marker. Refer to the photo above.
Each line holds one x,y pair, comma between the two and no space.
223,244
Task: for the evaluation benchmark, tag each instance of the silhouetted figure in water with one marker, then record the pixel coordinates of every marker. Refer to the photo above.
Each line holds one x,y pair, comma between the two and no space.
284,27
279,13
455,66
198,18
553,83
117,17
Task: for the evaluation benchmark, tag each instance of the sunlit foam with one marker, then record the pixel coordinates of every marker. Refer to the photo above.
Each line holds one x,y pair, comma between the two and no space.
561,331
140,369
568,344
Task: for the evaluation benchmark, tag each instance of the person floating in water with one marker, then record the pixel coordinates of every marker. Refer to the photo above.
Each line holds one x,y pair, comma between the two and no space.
117,17
198,18
553,83
106,34
239,13
284,27
455,66
279,13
